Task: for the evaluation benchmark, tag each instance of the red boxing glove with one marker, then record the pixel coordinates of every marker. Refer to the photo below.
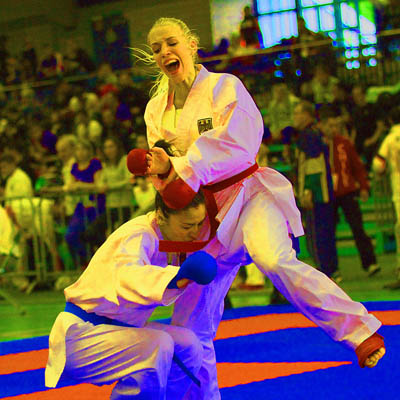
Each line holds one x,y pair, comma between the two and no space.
178,194
136,161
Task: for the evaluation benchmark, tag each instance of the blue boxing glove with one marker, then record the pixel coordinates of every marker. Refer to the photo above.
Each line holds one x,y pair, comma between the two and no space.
199,267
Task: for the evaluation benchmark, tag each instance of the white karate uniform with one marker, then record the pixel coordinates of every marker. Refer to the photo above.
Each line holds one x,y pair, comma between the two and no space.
256,216
389,150
125,280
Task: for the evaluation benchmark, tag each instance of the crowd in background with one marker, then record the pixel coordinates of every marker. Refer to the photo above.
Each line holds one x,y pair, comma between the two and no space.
72,136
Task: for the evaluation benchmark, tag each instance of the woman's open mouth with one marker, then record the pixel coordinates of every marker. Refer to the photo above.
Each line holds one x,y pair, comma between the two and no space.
172,66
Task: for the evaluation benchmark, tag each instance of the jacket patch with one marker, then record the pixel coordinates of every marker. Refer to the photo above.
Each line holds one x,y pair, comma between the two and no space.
204,125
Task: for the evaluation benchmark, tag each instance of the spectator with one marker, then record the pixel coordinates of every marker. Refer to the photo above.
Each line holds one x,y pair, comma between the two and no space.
315,190
13,68
106,79
132,102
249,29
341,100
62,95
19,191
85,177
115,182
4,54
235,53
280,110
51,64
387,18
18,183
89,129
42,144
111,126
76,59
322,84
368,125
305,58
66,154
141,141
144,194
29,61
350,179
387,160
92,105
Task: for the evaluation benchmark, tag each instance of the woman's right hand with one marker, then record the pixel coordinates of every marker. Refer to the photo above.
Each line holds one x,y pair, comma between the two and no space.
160,184
158,161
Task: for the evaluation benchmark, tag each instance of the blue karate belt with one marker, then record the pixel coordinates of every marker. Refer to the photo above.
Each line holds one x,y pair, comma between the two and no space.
98,319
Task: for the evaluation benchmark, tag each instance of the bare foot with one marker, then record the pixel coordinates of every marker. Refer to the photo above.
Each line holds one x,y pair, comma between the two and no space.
373,359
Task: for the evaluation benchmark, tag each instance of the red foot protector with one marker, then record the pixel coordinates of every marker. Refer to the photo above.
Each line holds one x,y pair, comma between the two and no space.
178,194
367,347
136,161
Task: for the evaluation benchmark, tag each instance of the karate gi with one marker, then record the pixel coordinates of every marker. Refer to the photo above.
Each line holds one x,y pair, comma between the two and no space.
389,154
218,132
125,280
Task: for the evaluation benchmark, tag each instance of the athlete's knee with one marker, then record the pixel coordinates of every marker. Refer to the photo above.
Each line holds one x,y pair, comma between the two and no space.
163,342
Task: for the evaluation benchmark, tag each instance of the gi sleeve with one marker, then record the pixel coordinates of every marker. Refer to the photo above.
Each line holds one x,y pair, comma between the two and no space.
138,279
127,268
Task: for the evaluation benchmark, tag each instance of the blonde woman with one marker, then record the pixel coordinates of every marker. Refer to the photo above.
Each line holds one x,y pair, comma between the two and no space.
213,122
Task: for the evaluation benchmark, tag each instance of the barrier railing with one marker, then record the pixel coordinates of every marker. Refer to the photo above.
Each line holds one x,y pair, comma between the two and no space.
33,244
385,216
40,243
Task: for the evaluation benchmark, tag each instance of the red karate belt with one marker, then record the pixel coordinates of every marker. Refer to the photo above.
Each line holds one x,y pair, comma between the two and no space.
171,246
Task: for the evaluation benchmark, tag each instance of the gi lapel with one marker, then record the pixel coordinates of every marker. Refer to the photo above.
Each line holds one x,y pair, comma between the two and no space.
188,118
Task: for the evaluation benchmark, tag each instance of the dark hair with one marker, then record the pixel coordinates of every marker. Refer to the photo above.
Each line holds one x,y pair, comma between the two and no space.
307,107
342,85
394,115
361,86
167,147
327,111
159,202
8,158
160,205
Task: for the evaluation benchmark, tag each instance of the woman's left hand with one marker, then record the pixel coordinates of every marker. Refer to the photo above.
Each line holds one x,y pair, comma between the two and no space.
160,184
158,161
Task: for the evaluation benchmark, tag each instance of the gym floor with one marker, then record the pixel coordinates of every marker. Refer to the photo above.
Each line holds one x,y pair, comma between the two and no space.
41,306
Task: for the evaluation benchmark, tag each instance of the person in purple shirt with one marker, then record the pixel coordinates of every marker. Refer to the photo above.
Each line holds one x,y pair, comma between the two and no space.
84,181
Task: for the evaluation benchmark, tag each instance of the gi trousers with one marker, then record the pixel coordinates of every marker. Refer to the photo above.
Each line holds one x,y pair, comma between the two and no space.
261,232
139,359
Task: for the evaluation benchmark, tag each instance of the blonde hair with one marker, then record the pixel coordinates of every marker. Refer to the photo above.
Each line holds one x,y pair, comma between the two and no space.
161,80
